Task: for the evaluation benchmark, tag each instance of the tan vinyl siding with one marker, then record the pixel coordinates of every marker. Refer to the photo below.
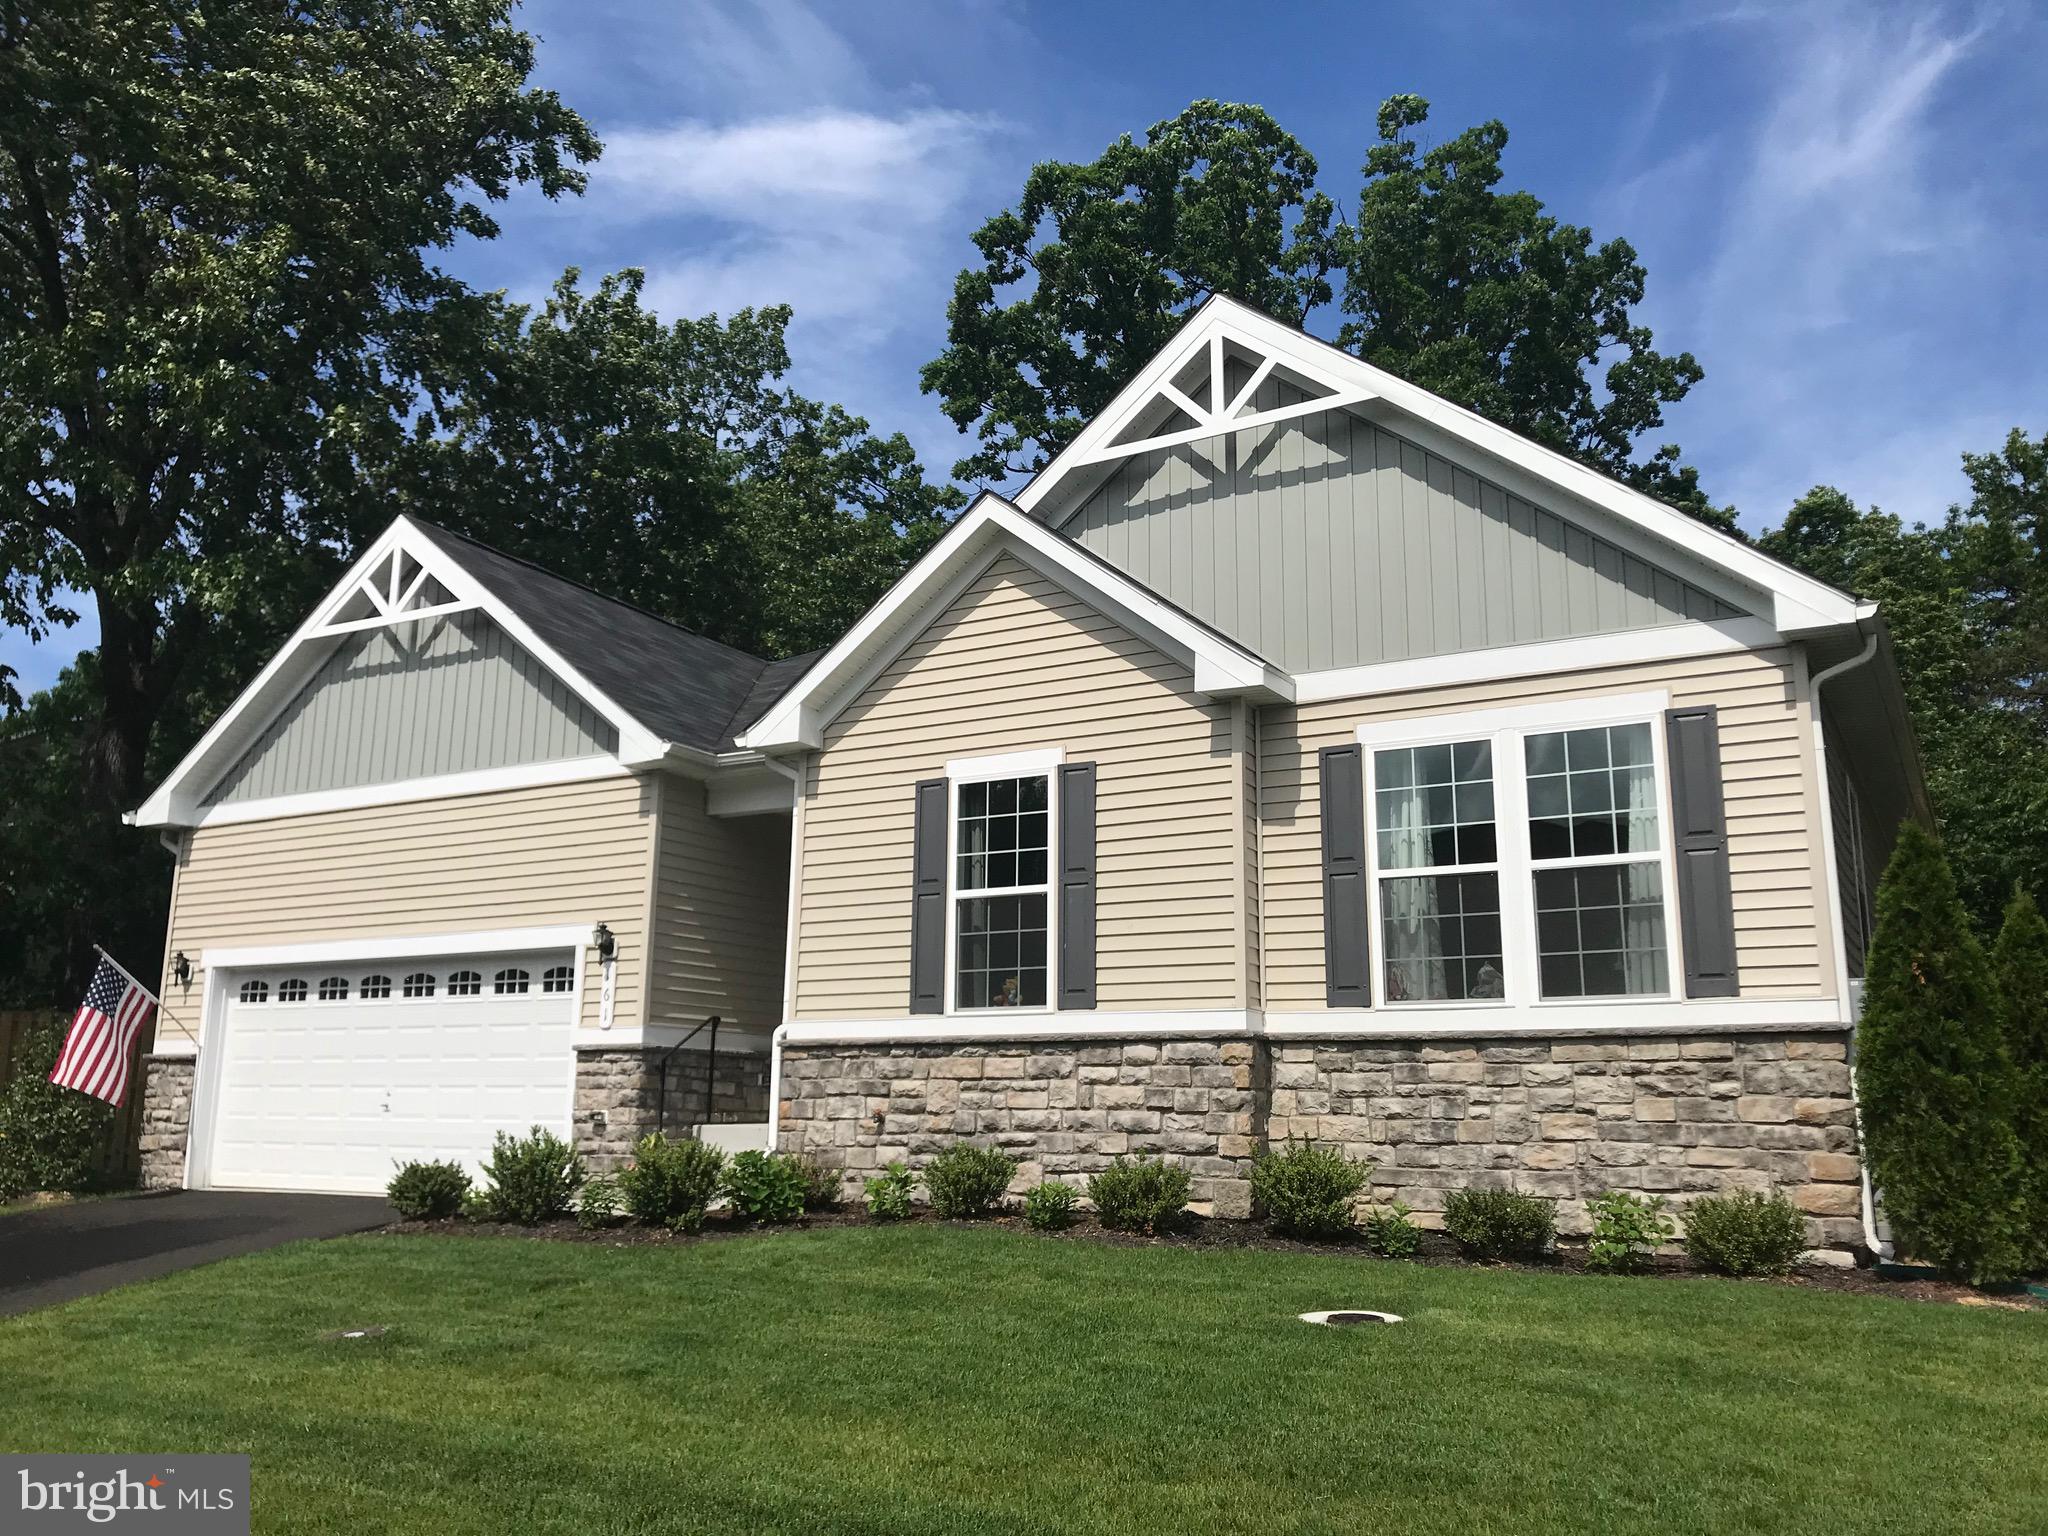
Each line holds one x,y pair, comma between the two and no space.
558,854
720,909
1013,665
1774,833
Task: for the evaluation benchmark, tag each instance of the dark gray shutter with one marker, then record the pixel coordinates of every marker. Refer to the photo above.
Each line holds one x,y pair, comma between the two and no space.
928,900
1077,885
1706,900
1344,906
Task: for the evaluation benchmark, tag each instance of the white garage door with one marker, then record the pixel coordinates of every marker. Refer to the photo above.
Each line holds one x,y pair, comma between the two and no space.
331,1073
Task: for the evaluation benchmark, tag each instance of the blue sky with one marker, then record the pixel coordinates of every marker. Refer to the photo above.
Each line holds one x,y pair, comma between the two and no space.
1841,207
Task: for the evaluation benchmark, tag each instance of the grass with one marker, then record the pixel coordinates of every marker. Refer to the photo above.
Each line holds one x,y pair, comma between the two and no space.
949,1380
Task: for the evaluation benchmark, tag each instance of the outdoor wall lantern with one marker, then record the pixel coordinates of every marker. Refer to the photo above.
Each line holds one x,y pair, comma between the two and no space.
181,968
601,938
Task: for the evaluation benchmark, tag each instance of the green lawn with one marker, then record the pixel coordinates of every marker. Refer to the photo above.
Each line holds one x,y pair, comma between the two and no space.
940,1380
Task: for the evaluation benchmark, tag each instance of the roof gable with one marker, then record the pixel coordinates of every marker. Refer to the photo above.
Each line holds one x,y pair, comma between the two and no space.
653,691
987,531
1323,541
1224,333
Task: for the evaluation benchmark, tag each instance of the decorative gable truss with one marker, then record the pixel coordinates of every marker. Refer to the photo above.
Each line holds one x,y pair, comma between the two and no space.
403,583
1209,389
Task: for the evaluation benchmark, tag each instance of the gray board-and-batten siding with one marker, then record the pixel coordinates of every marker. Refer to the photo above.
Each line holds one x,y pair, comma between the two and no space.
1327,541
453,694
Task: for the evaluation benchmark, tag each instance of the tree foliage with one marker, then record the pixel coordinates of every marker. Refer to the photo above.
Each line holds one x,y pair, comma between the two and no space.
1092,271
662,464
1935,1081
2019,961
1482,297
1448,281
216,220
1964,601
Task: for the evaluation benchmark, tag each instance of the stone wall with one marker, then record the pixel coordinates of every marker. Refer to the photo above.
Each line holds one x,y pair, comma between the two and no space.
618,1098
1063,1110
1670,1115
166,1119
1677,1116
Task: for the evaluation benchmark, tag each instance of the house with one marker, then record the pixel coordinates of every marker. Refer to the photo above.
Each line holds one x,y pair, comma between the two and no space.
1297,755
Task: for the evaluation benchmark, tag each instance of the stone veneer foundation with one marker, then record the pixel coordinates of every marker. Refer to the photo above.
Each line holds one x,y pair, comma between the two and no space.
1565,1119
618,1098
166,1119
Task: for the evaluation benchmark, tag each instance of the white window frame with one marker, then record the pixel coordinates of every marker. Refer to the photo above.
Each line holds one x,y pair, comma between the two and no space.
1513,866
1043,763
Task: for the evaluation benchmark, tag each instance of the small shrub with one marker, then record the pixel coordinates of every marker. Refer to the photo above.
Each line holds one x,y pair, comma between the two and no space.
601,1204
671,1182
1390,1233
476,1206
532,1177
1745,1233
764,1187
888,1192
428,1191
821,1183
1141,1194
1049,1207
1308,1191
967,1182
1627,1229
1495,1224
51,1138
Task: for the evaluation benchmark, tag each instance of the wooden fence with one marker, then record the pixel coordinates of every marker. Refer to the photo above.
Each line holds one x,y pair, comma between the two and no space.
124,1135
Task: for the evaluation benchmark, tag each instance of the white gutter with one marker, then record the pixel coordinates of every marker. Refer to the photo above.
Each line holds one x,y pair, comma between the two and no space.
1827,819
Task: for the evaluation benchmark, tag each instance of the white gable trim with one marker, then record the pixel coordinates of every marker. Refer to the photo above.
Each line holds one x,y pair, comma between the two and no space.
441,786
989,529
1794,603
1664,642
176,802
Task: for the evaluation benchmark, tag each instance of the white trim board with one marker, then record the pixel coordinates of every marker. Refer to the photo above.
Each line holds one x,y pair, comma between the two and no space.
481,781
405,946
1500,663
1661,1016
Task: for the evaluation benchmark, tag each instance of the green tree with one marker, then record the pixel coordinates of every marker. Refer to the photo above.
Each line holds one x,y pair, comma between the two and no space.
661,463
216,220
1934,1078
2019,960
1482,297
1985,754
1086,278
1998,542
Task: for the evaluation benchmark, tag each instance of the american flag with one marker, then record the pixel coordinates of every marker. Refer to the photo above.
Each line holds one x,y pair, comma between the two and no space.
95,1055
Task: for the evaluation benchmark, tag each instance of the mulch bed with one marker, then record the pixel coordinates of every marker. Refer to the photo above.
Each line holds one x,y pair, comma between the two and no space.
1213,1233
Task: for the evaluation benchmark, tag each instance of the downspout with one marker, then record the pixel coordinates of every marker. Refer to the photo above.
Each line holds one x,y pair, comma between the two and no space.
1871,1240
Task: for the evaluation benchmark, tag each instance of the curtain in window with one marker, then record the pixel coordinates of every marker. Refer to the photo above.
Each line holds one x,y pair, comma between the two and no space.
1643,888
1408,905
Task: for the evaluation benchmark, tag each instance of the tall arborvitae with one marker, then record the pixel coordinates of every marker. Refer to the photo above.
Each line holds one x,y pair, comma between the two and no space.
2020,961
1934,1077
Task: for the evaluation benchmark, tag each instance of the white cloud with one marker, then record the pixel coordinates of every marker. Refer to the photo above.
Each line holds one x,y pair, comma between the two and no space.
784,172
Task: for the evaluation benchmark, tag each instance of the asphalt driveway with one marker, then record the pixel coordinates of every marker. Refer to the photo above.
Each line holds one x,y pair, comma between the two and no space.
59,1252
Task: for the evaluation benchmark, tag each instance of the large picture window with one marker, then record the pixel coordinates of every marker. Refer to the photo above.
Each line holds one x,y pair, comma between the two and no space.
1513,862
1002,860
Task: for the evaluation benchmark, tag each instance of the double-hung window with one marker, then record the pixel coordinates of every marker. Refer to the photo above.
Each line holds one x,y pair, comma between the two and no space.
1001,898
1521,856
